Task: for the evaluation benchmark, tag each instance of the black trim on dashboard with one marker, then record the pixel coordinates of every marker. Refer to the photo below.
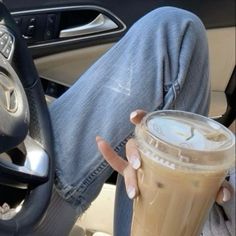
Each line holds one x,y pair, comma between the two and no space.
214,13
59,45
120,29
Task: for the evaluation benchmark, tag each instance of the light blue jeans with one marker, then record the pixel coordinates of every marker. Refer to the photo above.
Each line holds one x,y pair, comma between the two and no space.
161,63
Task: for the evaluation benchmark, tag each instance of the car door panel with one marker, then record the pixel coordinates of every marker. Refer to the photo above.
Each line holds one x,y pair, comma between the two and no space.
53,30
222,56
222,62
76,54
221,42
66,67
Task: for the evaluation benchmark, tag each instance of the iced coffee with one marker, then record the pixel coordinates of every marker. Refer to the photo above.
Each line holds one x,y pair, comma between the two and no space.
185,158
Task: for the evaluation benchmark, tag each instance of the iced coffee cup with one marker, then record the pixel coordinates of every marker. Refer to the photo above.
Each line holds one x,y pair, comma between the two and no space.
185,158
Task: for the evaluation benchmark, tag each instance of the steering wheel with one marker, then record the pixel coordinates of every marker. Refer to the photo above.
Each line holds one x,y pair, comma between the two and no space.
26,159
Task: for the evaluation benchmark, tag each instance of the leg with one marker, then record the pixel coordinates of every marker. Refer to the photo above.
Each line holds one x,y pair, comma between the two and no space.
180,58
161,63
59,219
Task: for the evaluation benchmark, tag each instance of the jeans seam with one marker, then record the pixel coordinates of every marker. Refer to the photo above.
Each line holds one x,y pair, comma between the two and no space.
176,89
181,45
74,194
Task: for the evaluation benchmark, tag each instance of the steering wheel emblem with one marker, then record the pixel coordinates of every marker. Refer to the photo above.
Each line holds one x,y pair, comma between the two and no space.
7,94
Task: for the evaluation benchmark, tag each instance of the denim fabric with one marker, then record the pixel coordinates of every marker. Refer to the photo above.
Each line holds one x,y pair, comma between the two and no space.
161,63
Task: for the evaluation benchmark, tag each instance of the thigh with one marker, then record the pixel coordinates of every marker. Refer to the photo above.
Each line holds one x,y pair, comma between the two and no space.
160,63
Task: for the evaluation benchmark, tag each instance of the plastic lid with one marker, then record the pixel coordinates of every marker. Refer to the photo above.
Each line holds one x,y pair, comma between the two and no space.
186,139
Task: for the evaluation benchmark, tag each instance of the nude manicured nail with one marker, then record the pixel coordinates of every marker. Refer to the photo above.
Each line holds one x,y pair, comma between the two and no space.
133,114
98,139
226,195
131,192
135,162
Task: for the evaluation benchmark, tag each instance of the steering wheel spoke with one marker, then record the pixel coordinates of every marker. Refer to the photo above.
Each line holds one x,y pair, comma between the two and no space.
26,164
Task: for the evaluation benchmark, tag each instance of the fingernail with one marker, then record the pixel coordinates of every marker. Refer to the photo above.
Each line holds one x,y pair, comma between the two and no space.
131,192
226,195
133,114
135,162
98,139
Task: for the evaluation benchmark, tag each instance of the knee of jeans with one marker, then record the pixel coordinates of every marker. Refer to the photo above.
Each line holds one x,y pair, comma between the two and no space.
170,18
172,15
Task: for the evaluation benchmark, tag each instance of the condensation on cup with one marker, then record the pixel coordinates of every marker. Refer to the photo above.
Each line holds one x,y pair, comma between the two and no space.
185,158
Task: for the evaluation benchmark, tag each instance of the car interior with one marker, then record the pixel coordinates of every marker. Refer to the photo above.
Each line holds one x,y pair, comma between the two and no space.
45,46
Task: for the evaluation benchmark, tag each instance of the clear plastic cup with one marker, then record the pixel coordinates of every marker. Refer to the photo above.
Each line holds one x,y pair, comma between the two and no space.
185,158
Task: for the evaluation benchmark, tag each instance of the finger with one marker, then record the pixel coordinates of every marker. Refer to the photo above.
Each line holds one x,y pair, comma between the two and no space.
131,184
225,193
132,154
115,161
137,116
